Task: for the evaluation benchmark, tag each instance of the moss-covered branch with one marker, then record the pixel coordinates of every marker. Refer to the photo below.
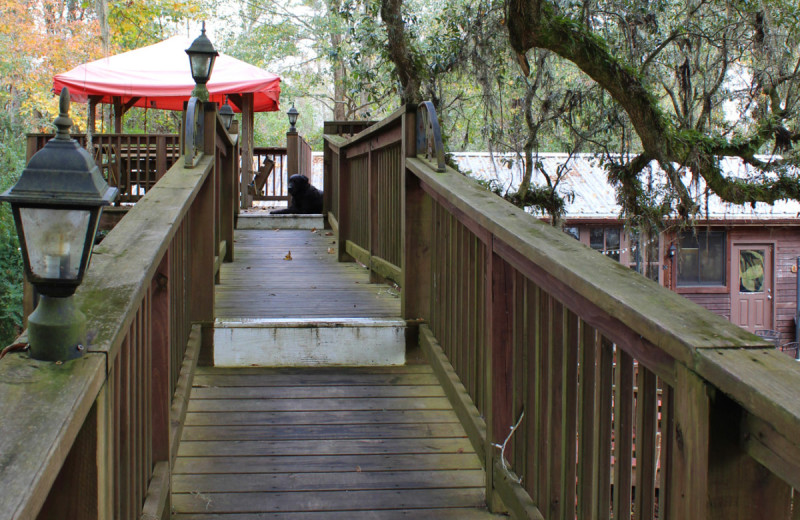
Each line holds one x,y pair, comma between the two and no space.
665,139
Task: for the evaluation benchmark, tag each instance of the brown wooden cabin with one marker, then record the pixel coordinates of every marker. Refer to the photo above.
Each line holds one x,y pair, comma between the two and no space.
704,264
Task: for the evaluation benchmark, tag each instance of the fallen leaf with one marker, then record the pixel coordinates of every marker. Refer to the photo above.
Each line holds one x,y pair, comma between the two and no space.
288,256
313,230
460,450
276,229
329,234
358,469
331,251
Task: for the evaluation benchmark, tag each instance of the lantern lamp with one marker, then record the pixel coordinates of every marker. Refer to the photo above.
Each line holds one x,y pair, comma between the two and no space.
201,60
226,114
56,205
292,113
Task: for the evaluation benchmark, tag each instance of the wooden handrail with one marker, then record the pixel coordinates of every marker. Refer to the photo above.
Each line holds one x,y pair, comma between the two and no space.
96,437
593,362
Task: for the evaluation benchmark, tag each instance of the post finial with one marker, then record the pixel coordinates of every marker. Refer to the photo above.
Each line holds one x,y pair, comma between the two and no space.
63,122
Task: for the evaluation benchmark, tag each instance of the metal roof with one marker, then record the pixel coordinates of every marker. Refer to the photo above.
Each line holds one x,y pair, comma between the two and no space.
594,197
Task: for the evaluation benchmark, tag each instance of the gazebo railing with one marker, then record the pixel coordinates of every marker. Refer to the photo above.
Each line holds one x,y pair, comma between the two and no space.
132,163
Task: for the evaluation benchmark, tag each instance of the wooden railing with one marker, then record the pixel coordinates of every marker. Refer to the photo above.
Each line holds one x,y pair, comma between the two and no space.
364,179
132,163
588,390
269,184
274,165
96,437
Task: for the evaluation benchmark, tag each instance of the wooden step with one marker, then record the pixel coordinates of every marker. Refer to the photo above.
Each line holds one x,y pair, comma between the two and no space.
309,342
264,220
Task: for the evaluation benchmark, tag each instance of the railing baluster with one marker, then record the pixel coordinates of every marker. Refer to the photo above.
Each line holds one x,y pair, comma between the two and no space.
623,434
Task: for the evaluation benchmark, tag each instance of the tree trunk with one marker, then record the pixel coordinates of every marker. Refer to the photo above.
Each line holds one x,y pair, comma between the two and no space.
401,52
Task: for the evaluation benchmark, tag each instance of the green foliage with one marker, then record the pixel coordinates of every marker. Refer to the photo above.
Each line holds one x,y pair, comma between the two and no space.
11,272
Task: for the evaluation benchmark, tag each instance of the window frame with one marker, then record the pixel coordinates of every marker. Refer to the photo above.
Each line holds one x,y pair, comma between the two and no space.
704,287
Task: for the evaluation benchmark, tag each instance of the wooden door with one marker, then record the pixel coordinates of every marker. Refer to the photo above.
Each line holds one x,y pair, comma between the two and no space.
752,301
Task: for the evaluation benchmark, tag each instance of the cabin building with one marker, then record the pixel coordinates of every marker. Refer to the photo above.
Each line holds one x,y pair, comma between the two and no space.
738,261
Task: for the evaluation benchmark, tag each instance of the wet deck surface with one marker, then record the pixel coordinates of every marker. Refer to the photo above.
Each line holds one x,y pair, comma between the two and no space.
330,443
263,283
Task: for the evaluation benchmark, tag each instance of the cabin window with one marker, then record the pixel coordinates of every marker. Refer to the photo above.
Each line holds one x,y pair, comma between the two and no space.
701,259
573,232
606,240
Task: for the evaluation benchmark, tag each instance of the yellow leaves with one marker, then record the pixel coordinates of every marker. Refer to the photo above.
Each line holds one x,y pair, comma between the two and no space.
288,256
331,250
42,39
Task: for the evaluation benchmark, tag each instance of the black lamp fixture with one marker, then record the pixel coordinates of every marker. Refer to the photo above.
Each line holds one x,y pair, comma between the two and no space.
292,113
226,114
56,205
201,60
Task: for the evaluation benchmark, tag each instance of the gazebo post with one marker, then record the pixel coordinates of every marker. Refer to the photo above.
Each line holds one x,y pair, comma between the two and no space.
247,153
91,116
117,114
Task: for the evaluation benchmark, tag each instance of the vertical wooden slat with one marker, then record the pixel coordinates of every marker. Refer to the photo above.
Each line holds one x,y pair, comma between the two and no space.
588,419
623,435
543,398
666,428
646,410
533,339
556,434
604,397
517,448
570,414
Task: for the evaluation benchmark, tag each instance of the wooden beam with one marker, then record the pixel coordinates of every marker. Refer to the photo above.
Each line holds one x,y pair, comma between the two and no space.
462,403
180,400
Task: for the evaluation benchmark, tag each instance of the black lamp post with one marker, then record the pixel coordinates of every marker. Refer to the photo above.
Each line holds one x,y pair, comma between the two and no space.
56,205
292,113
226,114
201,59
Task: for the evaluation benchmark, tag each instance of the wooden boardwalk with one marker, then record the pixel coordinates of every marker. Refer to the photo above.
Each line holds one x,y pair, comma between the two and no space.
262,283
329,443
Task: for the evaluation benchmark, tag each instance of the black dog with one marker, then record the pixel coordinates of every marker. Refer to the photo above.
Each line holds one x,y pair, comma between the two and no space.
306,199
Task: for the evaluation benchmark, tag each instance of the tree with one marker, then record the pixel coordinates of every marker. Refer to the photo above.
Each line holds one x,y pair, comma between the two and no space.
679,72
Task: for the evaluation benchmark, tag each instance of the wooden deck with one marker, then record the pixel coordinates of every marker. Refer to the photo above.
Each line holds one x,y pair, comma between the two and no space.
263,283
329,443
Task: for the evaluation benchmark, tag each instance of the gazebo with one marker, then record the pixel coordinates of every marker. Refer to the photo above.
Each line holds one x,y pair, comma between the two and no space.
158,76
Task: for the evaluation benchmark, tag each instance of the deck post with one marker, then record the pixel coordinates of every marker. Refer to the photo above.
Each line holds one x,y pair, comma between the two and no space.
344,206
247,151
292,157
201,259
712,476
228,206
327,182
83,488
416,228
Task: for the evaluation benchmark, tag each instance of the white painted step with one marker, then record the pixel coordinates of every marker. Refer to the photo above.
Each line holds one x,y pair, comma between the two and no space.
312,342
267,221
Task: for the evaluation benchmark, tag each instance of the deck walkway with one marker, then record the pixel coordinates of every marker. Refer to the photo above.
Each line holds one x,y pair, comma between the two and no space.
329,443
261,283
324,443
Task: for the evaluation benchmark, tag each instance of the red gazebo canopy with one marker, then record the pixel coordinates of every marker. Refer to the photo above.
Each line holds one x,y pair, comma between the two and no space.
158,76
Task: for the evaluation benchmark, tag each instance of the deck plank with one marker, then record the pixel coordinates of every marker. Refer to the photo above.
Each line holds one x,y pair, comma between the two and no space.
324,444
261,283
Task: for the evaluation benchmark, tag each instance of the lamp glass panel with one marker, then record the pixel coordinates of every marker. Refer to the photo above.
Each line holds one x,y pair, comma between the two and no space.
201,66
55,239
